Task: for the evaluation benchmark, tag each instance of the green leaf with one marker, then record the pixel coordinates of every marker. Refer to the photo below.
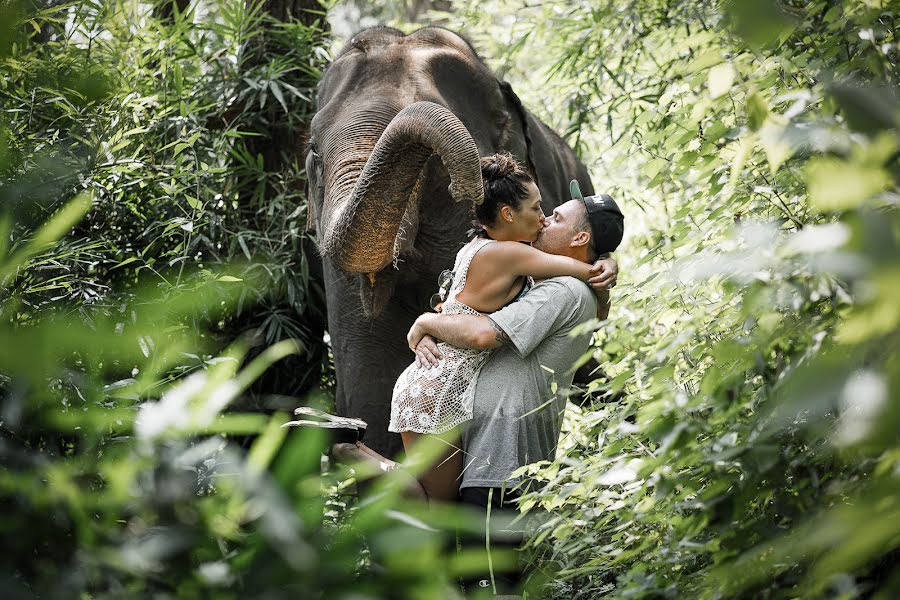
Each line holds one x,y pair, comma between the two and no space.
266,446
59,224
127,261
880,317
244,247
759,22
707,59
757,111
772,140
867,109
836,185
50,232
193,202
721,78
278,95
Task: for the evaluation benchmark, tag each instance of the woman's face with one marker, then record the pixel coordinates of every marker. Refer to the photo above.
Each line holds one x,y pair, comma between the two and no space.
528,219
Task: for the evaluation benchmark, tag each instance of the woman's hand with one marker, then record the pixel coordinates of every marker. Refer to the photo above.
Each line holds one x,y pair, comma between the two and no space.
427,352
607,272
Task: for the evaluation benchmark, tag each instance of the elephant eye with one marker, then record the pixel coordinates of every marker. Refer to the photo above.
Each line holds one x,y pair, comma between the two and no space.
313,163
312,150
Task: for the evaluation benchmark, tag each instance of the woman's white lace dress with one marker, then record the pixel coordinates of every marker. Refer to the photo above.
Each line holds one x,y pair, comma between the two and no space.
438,399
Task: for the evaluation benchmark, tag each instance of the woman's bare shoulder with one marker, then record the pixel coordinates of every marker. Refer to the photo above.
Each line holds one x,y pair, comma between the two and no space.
492,260
499,249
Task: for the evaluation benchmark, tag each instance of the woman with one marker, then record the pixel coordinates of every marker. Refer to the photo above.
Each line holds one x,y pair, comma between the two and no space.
491,271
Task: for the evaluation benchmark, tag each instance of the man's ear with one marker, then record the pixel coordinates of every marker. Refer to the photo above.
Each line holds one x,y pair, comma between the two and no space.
582,238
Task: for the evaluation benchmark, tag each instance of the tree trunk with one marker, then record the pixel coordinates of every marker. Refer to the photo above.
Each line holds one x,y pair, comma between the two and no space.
417,8
305,11
165,10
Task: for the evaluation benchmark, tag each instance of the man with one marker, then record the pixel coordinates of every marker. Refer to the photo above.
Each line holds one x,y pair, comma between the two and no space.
521,391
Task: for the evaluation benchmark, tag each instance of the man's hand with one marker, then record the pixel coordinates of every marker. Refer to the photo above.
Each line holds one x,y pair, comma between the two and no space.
427,352
607,272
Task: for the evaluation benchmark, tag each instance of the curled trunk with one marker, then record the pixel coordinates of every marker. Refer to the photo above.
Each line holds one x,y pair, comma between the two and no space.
358,233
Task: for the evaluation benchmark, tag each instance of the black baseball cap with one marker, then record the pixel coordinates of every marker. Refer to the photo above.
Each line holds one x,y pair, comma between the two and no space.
607,221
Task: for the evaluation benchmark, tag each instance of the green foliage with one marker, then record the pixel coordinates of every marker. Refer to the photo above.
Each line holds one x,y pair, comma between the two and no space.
743,439
152,211
744,435
165,125
132,488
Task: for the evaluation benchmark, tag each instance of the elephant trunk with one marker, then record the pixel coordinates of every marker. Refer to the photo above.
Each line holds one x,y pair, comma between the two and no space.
359,233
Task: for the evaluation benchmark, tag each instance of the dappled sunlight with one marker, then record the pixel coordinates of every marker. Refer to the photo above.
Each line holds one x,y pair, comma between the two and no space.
162,307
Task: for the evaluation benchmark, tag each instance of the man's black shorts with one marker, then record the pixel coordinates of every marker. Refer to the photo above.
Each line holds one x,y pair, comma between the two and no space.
500,501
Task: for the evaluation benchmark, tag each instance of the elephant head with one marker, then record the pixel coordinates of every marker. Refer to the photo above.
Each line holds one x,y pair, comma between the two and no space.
396,114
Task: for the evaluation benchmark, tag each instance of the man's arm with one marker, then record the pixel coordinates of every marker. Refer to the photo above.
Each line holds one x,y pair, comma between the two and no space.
527,322
463,331
603,304
602,283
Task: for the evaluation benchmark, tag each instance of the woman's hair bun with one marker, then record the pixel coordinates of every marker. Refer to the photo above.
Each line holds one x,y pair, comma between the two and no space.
505,182
500,165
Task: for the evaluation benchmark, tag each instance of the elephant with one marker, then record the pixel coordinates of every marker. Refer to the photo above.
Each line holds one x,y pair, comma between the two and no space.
393,169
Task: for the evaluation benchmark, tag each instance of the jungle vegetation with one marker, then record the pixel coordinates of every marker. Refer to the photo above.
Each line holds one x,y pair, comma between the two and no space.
160,309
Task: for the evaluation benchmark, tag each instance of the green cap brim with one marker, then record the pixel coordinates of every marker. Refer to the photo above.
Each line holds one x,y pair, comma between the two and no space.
575,190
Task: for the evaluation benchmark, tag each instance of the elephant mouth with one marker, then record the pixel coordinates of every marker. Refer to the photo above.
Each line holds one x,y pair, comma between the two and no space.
376,290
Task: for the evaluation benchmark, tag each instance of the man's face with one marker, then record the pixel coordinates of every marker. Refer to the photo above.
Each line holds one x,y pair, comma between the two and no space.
561,227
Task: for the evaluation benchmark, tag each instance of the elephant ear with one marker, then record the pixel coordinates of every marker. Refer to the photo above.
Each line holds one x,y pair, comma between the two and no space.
520,114
551,161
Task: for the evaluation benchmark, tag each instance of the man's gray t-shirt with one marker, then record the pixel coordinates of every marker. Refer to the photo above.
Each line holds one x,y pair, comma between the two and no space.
517,415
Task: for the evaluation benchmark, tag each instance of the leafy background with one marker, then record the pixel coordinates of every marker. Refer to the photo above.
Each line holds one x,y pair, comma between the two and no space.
160,309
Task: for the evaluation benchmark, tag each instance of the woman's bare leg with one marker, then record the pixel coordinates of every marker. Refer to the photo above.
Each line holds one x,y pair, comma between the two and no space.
409,439
376,455
359,453
441,481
